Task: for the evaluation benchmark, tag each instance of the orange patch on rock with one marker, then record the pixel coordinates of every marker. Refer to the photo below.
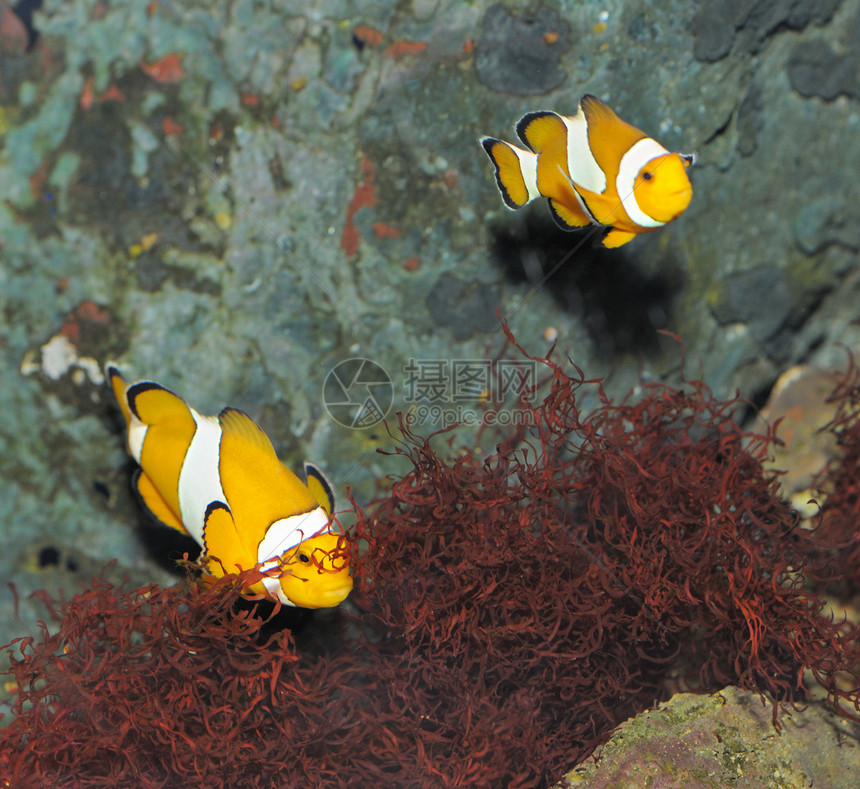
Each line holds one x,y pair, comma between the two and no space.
249,100
170,126
87,312
13,34
368,35
166,69
90,311
37,179
381,230
412,264
364,197
402,47
87,96
113,93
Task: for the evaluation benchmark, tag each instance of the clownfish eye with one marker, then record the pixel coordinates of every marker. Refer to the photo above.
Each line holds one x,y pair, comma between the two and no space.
647,176
303,557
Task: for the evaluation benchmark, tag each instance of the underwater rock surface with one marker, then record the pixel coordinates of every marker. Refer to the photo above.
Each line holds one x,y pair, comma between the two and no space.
727,739
234,202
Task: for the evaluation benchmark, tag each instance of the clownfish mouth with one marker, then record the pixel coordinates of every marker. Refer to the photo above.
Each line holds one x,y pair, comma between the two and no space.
335,594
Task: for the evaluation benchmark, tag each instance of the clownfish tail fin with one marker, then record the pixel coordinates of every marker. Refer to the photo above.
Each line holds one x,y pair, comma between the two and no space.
152,404
538,130
118,387
515,171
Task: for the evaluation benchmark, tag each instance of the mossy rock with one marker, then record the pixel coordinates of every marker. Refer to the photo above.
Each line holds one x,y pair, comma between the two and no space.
724,740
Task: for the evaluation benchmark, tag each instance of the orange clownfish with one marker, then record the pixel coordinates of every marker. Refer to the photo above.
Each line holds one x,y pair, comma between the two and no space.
218,479
594,169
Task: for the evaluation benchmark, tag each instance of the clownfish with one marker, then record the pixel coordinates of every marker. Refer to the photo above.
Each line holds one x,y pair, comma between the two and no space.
593,168
218,479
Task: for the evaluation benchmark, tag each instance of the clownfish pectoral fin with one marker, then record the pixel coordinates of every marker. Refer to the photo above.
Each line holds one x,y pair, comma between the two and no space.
515,171
539,130
320,487
616,238
154,503
567,218
152,404
221,540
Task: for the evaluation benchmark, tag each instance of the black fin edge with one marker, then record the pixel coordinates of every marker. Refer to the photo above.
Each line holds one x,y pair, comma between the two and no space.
560,223
215,505
526,120
135,390
488,144
135,484
313,470
230,410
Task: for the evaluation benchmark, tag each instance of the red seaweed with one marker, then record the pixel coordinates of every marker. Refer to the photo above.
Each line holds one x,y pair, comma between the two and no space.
839,530
515,609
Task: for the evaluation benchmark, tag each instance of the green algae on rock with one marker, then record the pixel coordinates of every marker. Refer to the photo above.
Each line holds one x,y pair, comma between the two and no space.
727,739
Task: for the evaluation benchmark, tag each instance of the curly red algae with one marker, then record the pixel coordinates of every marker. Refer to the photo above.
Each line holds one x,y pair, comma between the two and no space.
839,529
170,687
552,589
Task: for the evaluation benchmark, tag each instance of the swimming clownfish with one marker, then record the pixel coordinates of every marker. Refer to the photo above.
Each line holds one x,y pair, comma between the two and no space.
219,480
594,169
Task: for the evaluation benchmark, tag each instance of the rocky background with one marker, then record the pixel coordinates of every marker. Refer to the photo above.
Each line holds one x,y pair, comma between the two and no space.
232,202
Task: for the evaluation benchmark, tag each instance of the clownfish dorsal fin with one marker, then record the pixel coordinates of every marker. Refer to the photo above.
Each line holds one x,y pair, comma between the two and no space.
153,502
320,487
609,137
152,404
237,425
595,109
602,118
